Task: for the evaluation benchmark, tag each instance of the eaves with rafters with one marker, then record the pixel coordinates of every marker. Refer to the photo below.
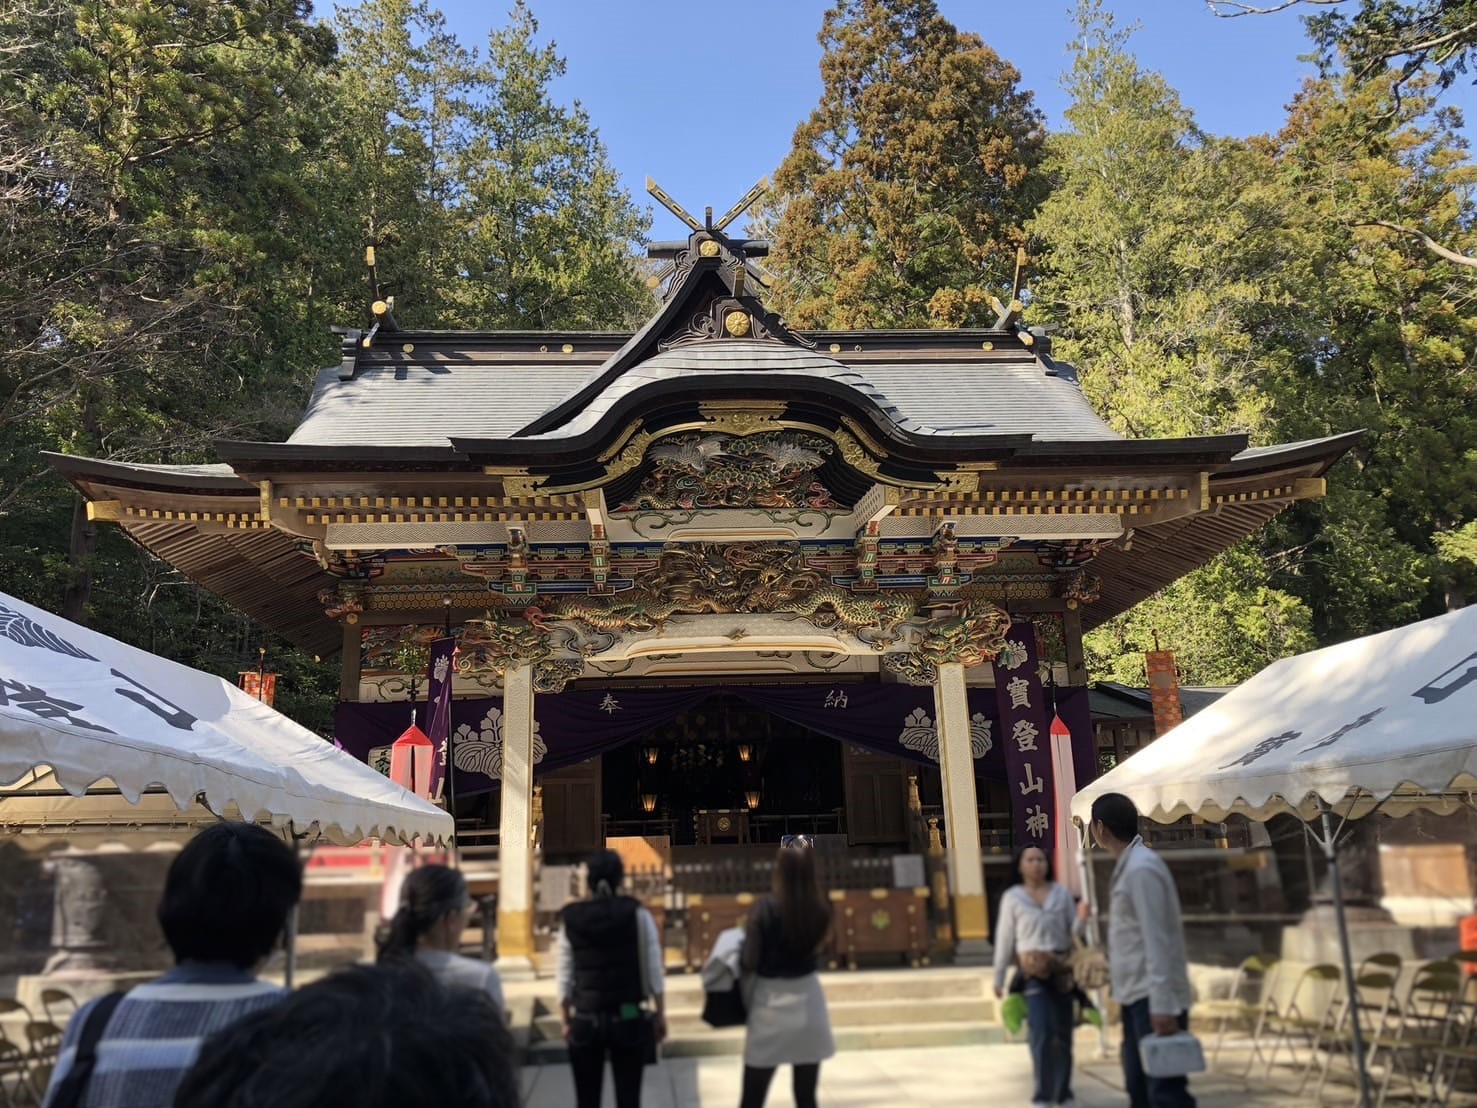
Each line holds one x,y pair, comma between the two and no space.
716,461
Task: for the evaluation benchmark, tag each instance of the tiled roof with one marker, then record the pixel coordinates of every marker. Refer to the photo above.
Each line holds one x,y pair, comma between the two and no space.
428,406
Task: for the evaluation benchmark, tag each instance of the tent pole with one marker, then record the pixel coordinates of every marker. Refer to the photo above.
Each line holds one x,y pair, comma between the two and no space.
1331,852
289,943
1093,927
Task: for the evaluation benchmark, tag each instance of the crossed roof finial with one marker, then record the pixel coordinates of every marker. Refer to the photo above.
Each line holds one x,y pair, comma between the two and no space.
745,202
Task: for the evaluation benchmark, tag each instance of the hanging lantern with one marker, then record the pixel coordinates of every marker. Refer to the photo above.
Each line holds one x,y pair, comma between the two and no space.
648,803
746,752
258,684
650,753
411,759
751,798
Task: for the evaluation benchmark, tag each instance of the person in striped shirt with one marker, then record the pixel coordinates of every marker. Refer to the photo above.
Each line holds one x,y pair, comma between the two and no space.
225,906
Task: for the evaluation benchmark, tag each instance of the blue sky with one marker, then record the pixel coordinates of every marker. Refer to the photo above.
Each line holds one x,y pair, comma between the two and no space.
705,96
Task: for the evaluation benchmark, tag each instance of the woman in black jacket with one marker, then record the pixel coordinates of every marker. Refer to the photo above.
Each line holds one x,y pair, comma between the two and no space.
609,967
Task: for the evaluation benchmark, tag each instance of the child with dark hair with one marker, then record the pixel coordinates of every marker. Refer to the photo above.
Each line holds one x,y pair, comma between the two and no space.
384,1036
225,905
428,926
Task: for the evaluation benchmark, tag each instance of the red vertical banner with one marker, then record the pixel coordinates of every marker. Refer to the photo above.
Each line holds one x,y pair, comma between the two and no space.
262,686
1025,723
1164,690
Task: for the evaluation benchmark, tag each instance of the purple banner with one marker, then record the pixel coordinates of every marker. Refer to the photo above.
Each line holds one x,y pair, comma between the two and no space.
440,671
1024,722
571,726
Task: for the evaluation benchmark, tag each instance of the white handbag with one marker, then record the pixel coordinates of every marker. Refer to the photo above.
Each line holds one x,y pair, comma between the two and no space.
1171,1055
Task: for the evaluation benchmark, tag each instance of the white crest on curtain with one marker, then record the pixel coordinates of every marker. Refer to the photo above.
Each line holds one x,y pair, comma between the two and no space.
920,734
481,751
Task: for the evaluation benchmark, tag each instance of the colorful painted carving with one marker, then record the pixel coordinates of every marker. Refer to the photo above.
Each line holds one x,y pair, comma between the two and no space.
700,469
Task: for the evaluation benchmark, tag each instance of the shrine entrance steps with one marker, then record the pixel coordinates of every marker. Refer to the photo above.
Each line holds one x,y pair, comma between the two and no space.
870,1010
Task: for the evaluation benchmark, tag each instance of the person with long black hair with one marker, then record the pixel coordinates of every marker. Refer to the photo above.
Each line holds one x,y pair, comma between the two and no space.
1034,935
427,927
610,984
788,1023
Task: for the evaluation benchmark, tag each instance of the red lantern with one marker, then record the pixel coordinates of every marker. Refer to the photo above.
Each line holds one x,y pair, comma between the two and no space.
411,760
262,686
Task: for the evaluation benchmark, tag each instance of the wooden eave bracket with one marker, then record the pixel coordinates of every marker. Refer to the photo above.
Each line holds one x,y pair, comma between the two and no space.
105,511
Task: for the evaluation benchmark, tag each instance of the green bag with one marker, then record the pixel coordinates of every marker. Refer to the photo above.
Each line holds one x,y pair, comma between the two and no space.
1013,1013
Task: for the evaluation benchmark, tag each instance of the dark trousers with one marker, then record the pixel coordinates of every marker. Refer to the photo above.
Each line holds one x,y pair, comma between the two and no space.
1049,1031
757,1079
1145,1091
592,1039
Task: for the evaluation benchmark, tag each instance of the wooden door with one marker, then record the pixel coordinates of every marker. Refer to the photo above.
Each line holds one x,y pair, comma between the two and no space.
572,811
876,797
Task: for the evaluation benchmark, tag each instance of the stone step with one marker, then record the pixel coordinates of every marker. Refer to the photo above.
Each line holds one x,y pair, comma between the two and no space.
848,1014
729,1041
686,990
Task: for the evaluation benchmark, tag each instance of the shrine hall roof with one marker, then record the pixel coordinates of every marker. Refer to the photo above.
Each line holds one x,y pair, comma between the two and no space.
399,402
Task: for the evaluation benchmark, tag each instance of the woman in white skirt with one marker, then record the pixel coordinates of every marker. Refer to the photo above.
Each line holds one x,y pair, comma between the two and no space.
788,1023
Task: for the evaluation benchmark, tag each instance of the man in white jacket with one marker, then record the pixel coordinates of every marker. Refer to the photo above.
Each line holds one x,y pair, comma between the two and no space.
1146,950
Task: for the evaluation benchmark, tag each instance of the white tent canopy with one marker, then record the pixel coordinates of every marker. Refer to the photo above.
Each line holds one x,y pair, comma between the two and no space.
97,735
1388,721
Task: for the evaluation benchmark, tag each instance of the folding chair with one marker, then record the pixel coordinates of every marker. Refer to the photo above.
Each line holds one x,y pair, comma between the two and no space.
1419,1028
16,1080
1307,1014
15,1076
1371,1002
44,1040
1247,999
1458,1049
59,1005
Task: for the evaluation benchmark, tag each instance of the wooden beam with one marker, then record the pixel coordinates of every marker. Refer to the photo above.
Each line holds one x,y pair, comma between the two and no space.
1310,488
105,511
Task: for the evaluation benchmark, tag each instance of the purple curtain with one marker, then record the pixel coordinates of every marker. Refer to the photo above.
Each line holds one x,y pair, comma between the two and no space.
886,719
570,727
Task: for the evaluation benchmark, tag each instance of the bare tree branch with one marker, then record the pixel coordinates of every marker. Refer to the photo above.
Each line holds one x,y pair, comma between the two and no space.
1232,9
1426,240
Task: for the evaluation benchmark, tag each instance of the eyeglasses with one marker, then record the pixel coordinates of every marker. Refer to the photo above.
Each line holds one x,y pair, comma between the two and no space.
796,842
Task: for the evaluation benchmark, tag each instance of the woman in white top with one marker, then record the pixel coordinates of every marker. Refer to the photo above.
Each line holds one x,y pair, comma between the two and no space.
1034,930
433,913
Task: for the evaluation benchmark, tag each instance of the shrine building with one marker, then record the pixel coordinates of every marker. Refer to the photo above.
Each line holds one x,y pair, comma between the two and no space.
715,581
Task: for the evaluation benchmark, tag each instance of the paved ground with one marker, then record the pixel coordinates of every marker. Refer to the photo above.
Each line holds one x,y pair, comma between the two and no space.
940,1077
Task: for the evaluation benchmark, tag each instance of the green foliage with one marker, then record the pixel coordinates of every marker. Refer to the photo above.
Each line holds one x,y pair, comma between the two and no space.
1155,245
1434,36
901,201
1383,337
1222,621
185,196
491,206
1212,285
549,227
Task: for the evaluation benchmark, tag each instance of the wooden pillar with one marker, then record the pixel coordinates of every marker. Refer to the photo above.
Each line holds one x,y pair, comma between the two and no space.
1076,656
961,816
515,829
348,671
